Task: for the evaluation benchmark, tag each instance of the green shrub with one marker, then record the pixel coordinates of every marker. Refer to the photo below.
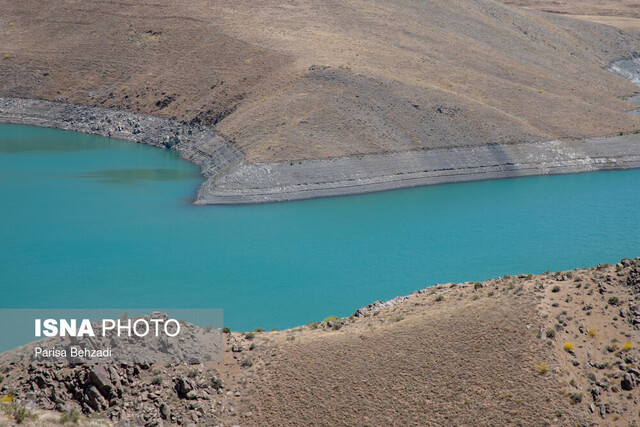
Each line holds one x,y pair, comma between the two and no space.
249,335
258,330
555,289
156,381
192,373
246,363
439,298
217,383
613,301
330,319
550,333
313,325
477,285
70,417
226,330
18,412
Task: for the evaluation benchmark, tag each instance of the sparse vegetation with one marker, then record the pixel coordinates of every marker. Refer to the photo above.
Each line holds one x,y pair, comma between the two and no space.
575,397
627,346
591,332
18,412
70,417
568,347
226,330
439,298
550,333
156,381
217,383
555,289
330,319
542,368
613,301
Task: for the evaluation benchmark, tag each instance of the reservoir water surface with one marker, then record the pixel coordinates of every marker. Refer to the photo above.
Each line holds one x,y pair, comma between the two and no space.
89,222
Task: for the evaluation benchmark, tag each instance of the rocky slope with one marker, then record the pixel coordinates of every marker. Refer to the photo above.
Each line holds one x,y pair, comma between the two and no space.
558,348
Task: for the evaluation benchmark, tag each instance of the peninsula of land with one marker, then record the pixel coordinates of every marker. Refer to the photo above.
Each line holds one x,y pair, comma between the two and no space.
298,99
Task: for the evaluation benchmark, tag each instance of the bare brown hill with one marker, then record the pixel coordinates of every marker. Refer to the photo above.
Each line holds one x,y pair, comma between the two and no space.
302,79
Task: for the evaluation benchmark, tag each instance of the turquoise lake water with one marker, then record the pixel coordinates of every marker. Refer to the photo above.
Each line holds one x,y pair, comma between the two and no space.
89,222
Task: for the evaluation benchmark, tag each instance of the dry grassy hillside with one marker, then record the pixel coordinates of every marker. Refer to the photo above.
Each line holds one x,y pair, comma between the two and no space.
557,349
624,14
553,349
305,79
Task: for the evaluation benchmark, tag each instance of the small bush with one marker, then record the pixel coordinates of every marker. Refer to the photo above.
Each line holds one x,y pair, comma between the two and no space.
475,297
336,324
19,413
439,298
613,301
542,368
226,330
627,346
550,333
217,383
477,285
1,379
313,325
330,319
258,330
249,335
555,289
70,417
591,332
575,398
156,381
246,363
192,373
568,346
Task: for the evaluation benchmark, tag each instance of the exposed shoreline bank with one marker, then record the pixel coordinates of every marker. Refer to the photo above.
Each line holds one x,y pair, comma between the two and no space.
229,180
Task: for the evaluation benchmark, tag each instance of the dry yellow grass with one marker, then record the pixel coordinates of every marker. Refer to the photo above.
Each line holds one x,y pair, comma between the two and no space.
401,74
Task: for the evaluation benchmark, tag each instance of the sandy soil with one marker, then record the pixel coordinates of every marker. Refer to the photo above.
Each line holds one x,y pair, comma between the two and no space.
301,79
